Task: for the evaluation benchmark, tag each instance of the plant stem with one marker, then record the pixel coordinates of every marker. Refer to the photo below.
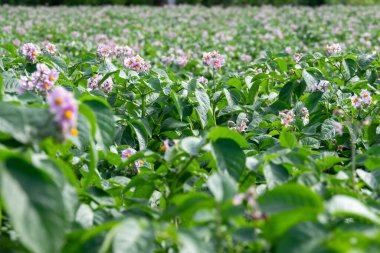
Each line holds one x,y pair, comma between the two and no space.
353,162
143,102
219,234
212,95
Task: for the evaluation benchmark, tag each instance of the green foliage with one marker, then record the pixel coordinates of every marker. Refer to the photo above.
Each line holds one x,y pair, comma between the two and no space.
270,154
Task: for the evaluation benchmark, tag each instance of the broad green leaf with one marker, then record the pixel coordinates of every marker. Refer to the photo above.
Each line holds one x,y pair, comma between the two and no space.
289,197
349,68
228,156
225,133
306,237
222,186
105,131
191,145
203,107
328,129
288,140
133,235
349,206
275,174
35,205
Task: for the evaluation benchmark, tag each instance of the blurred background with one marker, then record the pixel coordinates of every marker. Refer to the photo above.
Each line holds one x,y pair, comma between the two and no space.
202,2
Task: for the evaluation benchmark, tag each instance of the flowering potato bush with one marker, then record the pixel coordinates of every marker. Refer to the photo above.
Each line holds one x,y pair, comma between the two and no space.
189,129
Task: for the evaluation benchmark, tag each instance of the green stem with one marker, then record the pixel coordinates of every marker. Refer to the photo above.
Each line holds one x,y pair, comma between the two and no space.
350,126
143,104
353,162
219,232
212,95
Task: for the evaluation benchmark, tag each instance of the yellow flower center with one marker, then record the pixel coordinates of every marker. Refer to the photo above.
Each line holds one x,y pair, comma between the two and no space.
51,78
74,132
68,114
34,53
58,101
46,86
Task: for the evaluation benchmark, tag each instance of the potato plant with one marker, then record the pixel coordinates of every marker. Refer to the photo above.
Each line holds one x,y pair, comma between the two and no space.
189,129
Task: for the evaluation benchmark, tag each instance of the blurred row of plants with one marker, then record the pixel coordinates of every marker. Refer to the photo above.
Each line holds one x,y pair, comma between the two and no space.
203,2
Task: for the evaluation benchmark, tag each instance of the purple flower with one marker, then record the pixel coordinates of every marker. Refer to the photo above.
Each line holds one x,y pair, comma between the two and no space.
103,51
366,97
245,58
107,85
125,51
25,85
49,48
338,128
213,59
137,64
202,80
93,82
356,102
29,50
65,110
126,153
333,48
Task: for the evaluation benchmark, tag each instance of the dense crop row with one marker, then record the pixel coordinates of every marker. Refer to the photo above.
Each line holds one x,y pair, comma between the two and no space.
189,130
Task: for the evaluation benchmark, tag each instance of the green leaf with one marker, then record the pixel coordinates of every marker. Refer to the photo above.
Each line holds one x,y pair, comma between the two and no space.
288,140
191,145
305,237
310,77
228,156
191,241
371,179
203,107
177,103
275,174
105,130
222,186
10,82
225,133
134,236
365,60
345,205
289,197
328,129
349,68
235,82
141,133
35,205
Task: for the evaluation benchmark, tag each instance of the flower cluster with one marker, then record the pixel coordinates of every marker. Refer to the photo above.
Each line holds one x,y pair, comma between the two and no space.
64,107
103,51
240,128
127,153
137,64
124,51
297,57
338,128
364,99
49,48
333,48
288,116
249,198
202,80
176,55
106,86
322,86
213,59
245,58
43,79
30,51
